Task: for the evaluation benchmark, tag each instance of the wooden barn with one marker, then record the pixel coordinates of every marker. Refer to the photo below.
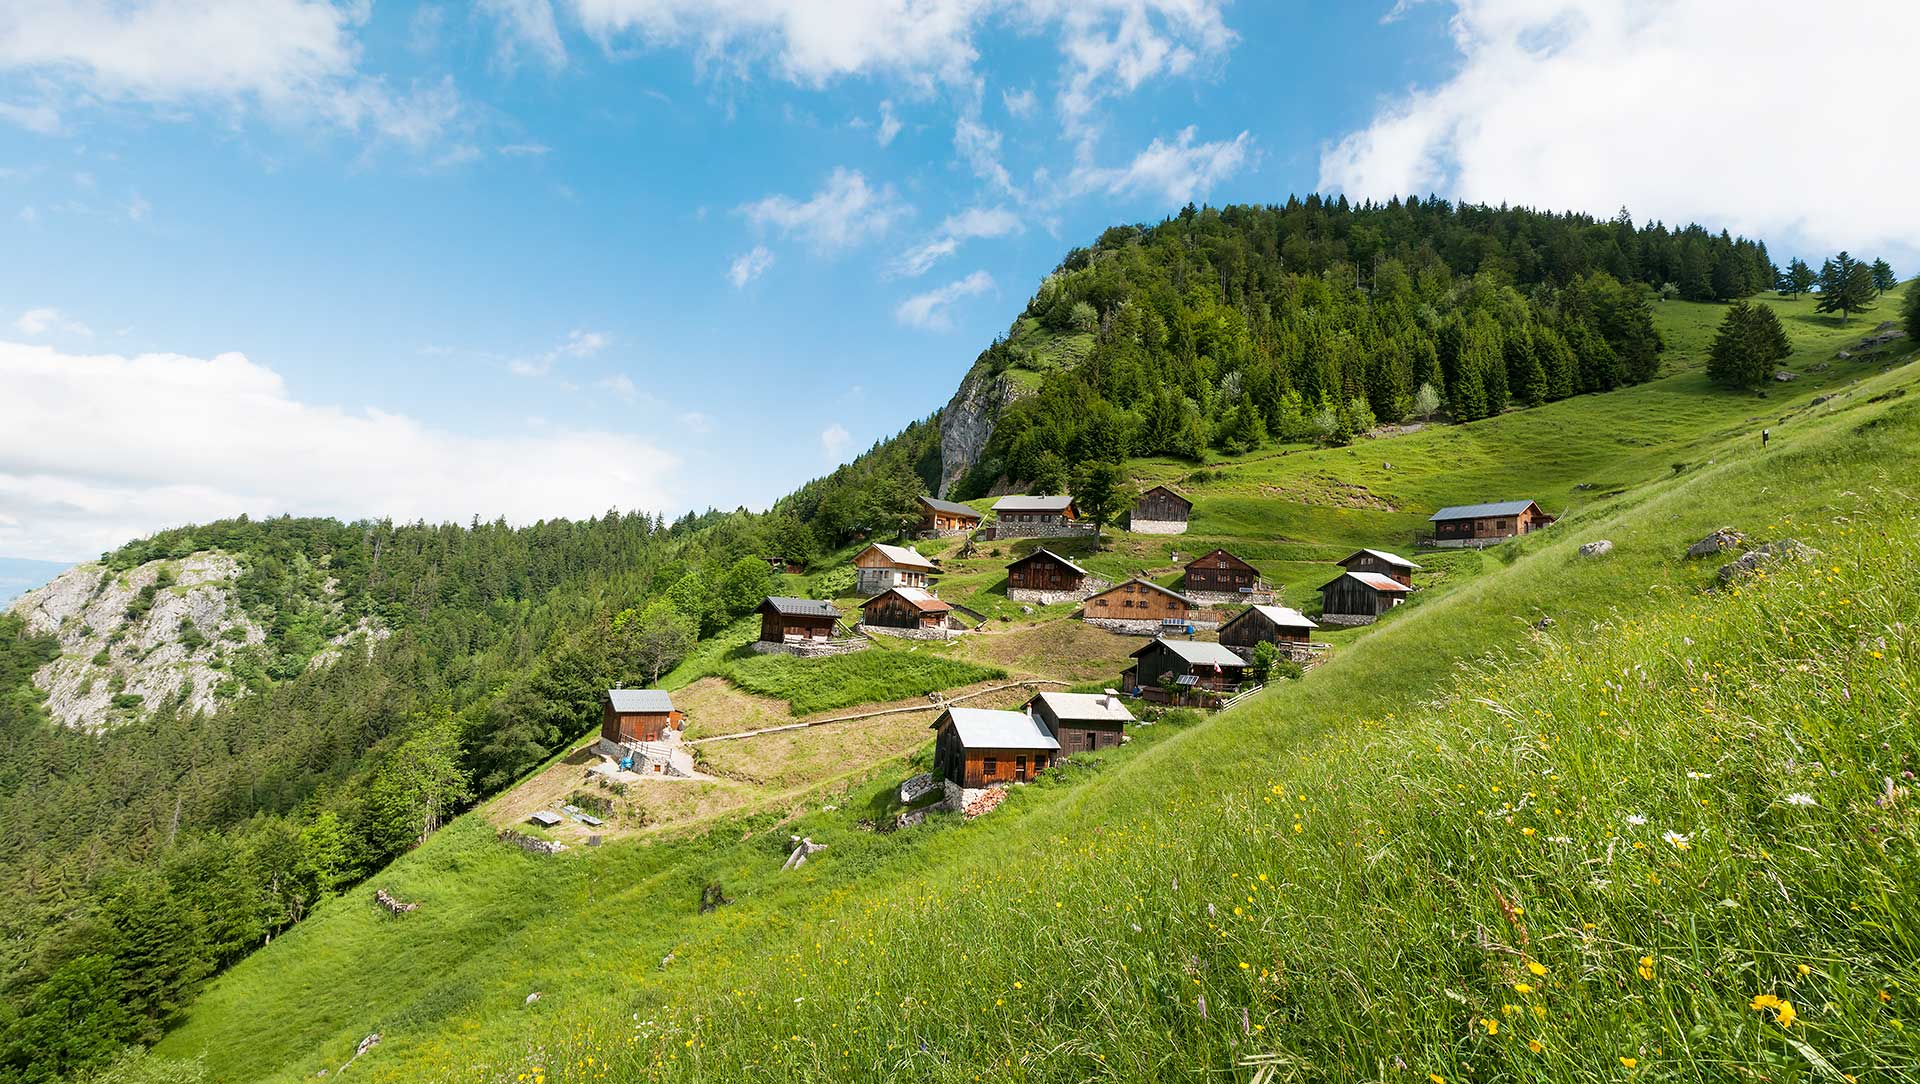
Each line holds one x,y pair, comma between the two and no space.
1221,573
637,715
1138,605
938,517
784,619
1193,666
906,608
1485,524
1391,565
1283,627
1359,598
1082,722
880,567
1160,510
1044,576
975,748
1036,516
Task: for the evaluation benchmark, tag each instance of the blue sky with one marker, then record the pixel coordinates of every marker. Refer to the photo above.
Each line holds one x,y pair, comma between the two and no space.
534,258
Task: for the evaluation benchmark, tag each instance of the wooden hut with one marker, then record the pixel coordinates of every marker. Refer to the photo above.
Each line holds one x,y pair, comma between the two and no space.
975,748
1359,598
1391,565
1045,577
1138,605
1082,722
1193,666
940,518
911,608
1485,524
1160,510
879,567
1287,629
1221,573
1023,516
637,715
784,619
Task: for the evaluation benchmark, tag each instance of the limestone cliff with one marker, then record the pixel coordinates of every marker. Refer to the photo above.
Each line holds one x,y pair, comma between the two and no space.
967,422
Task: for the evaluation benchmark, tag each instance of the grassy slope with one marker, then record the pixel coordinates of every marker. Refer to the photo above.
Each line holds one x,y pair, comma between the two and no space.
900,941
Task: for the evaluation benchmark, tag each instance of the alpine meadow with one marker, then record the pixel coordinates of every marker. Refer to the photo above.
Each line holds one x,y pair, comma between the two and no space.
1401,631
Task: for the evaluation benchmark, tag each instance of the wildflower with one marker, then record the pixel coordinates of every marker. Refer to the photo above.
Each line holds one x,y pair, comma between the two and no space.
1436,1078
1636,819
1763,1001
1523,988
1800,798
1536,967
1884,997
1646,968
1786,1015
1535,1045
1804,970
1680,840
1629,1062
1492,1025
1526,831
1699,775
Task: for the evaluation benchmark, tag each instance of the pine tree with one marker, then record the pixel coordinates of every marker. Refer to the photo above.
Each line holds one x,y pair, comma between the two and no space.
1910,312
1883,277
1749,342
1797,279
1846,287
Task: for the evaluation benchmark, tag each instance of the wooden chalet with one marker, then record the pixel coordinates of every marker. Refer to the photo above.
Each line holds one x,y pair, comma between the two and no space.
637,715
1140,601
1024,516
1193,666
1391,565
1044,571
1359,598
1220,572
1484,524
979,747
1160,510
1285,628
879,567
906,608
784,619
938,517
1081,722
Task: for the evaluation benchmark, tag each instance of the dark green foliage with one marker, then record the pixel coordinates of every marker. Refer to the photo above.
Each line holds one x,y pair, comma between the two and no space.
1749,342
1910,312
1797,279
1883,277
1846,287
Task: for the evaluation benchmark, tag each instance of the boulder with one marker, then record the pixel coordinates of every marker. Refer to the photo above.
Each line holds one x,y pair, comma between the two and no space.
1782,376
1720,541
1787,549
1597,549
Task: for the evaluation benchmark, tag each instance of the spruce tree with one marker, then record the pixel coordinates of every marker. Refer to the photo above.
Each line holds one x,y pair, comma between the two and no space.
1749,342
1883,277
1846,287
1910,312
1797,279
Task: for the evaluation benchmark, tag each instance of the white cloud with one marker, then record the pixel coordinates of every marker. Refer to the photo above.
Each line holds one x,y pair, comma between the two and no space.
1593,105
845,212
38,322
930,311
834,440
1179,171
525,26
974,222
40,117
579,344
174,439
979,145
1112,47
523,150
619,385
695,422
138,208
1020,103
749,265
889,125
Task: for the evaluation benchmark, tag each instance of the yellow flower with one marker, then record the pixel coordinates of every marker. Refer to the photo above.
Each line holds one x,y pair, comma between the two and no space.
1536,967
1492,1025
1534,1045
1646,968
1805,970
1436,1078
1884,996
1526,831
1523,988
1629,1062
1785,1015
1763,1001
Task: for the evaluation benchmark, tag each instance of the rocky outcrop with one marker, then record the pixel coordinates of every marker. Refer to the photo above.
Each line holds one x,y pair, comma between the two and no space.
968,420
1787,549
1597,549
1721,540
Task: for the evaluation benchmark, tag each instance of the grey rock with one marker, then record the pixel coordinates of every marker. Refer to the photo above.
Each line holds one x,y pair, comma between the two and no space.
1818,399
1720,541
968,420
1782,376
1786,549
1597,549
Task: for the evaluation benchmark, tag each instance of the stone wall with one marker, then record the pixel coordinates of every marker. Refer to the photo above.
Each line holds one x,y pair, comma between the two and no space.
1229,598
1137,627
1157,526
1347,619
911,634
811,649
530,844
1091,587
1073,529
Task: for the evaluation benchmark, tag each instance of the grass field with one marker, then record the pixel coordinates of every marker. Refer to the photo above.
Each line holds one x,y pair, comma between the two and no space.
1559,819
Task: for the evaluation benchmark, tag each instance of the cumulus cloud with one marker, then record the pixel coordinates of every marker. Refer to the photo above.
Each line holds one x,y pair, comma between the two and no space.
1020,103
1178,171
979,146
931,311
889,125
1673,109
974,222
38,322
749,265
845,212
525,27
834,440
173,439
578,344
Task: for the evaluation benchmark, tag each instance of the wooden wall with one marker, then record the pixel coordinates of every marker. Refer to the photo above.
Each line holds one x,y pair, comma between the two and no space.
1042,573
1132,601
1207,573
1252,628
1347,595
635,725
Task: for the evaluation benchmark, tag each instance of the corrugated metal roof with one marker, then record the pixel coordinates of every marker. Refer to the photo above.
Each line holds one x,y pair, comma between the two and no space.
952,507
800,607
1087,707
1197,652
1391,558
1286,617
1171,492
1476,511
651,701
985,728
1053,555
922,600
1023,503
904,556
1378,582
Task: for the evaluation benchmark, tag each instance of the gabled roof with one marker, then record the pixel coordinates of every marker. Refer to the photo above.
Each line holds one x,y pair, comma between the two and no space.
985,728
1049,553
1196,652
1171,492
902,556
919,598
1285,617
641,701
1222,552
1144,582
1023,503
1393,559
954,508
800,607
1373,580
1478,511
1086,707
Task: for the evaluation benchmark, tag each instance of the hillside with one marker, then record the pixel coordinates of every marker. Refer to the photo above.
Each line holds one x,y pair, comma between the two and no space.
1595,766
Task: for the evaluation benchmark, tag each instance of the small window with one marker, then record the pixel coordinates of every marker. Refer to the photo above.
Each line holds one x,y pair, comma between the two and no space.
991,767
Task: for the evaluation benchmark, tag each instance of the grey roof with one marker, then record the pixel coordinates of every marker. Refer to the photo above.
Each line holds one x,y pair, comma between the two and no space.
800,607
1143,581
1022,503
1390,558
650,701
905,556
1197,652
954,507
985,728
1286,617
1051,554
1169,491
1086,707
1373,580
1476,511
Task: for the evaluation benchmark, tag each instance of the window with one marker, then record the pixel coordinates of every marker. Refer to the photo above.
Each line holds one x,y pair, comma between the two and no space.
1020,767
991,767
1100,602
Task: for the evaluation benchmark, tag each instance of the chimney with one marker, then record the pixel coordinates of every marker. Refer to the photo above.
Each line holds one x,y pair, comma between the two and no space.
1112,696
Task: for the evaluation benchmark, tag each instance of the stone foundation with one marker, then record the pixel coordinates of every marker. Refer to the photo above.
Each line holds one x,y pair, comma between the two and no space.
1038,530
1466,543
1087,590
1348,619
1230,598
911,634
810,649
530,844
1138,627
1157,526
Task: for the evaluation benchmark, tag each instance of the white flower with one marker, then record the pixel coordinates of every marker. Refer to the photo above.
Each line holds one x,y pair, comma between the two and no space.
1679,841
1698,775
1636,819
1800,798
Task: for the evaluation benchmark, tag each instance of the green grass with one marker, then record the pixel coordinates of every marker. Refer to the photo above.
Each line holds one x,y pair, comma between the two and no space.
1096,926
876,675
